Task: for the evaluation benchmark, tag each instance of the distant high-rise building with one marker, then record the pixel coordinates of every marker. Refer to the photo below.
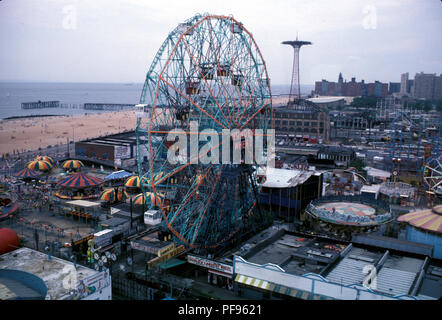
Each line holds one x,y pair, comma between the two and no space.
352,88
438,88
424,85
339,85
410,86
404,83
394,87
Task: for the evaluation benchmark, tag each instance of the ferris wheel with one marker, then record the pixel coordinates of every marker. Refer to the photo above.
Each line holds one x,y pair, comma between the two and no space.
433,175
208,74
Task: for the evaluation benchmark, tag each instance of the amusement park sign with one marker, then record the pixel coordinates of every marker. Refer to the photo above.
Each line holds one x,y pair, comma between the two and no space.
210,264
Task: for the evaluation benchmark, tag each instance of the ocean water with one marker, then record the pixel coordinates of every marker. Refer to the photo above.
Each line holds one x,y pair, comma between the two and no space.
72,94
12,94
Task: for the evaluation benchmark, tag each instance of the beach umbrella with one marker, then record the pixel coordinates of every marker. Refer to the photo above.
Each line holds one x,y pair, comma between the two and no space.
45,158
27,174
140,199
80,180
72,164
39,165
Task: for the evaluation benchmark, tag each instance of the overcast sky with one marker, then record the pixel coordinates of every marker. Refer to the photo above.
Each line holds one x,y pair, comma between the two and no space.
116,41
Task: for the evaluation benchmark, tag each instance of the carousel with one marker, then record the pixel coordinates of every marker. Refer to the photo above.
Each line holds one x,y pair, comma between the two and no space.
28,175
79,186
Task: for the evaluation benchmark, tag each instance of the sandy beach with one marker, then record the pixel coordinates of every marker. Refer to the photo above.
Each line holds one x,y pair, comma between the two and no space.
27,134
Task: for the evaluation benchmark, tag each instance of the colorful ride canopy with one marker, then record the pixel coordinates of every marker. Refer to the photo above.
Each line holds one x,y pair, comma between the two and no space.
80,180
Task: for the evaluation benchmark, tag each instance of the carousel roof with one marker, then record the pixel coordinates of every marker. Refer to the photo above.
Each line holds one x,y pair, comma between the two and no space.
429,219
80,180
27,173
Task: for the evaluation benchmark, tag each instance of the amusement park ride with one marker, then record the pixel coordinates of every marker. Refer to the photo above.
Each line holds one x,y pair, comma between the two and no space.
415,147
209,70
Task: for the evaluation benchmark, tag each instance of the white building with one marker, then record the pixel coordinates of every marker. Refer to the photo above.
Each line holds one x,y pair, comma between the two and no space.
63,280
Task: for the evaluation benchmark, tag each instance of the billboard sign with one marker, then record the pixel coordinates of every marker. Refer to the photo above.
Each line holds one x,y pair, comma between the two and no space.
121,152
210,264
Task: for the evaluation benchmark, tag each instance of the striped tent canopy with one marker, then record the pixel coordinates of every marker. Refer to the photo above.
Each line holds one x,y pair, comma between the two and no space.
72,164
27,174
80,180
140,199
134,182
39,165
429,220
108,195
45,158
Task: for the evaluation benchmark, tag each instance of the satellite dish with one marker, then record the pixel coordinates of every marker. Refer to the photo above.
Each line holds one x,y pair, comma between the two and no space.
96,256
104,259
100,263
97,267
129,261
113,257
108,255
122,267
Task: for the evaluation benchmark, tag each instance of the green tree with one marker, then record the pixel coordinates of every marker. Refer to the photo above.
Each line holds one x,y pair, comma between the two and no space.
427,106
357,163
364,102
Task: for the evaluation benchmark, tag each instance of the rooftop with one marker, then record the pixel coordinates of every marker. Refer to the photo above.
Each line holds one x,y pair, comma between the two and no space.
284,178
54,272
399,273
373,172
325,99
